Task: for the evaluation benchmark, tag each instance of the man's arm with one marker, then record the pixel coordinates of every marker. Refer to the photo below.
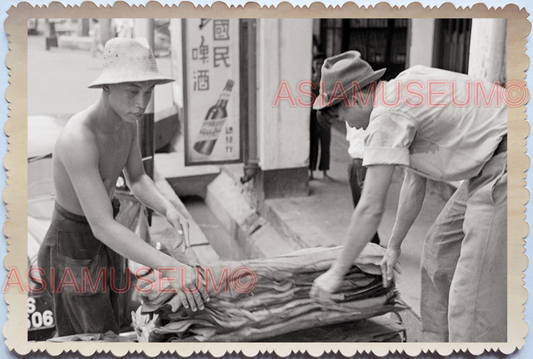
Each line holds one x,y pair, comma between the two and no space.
412,197
144,188
366,216
80,157
363,225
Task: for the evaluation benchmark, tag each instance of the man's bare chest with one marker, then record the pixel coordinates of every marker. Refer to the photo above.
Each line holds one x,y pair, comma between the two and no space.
114,151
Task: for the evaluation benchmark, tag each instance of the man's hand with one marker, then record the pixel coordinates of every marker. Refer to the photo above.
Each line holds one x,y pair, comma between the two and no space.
325,285
388,264
181,225
190,287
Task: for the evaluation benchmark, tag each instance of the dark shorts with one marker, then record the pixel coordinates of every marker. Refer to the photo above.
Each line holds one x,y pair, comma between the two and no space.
83,276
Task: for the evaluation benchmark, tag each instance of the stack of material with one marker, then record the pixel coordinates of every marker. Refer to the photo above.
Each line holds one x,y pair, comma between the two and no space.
279,303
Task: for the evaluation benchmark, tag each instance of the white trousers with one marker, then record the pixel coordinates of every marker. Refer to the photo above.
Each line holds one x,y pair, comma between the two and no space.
464,262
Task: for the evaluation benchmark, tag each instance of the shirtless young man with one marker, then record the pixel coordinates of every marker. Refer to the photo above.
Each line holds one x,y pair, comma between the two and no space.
96,145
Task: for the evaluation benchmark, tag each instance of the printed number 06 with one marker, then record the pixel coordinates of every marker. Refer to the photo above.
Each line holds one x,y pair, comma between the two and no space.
38,319
48,318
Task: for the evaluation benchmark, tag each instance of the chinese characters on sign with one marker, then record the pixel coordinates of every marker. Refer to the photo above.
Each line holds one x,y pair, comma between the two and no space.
201,80
201,52
221,30
221,55
211,74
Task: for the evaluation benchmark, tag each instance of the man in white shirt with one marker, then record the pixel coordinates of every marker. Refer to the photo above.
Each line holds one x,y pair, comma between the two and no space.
427,121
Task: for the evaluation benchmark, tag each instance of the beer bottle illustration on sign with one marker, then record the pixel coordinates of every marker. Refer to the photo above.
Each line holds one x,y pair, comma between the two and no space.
213,123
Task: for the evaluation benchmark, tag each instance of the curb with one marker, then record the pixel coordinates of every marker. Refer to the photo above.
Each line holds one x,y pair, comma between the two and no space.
255,234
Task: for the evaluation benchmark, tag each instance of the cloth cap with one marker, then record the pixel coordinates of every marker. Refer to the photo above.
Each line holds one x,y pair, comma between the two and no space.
345,68
129,60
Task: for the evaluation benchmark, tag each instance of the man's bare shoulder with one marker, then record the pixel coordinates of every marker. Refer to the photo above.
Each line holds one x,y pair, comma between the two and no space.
77,136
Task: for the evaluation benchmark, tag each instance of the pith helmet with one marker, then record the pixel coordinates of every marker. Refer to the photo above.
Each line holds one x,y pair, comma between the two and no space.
129,60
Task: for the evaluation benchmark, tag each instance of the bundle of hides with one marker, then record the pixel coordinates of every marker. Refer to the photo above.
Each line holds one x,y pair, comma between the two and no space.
278,304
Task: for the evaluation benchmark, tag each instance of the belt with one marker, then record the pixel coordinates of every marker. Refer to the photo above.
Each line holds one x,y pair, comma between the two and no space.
502,147
69,215
77,218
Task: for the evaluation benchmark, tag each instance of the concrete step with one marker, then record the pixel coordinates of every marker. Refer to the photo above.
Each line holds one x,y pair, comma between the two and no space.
186,181
223,243
319,219
255,235
201,252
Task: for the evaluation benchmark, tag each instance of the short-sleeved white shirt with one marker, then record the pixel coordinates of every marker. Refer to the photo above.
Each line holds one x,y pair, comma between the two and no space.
356,138
426,119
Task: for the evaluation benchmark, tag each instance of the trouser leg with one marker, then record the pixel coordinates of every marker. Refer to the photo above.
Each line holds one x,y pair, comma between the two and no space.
313,141
77,276
478,295
325,143
439,258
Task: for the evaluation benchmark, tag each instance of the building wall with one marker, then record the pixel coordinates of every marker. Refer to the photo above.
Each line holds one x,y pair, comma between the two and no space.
284,54
487,53
488,50
421,38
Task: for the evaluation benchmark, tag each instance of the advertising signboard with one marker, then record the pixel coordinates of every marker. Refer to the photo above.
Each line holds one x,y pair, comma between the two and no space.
211,91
